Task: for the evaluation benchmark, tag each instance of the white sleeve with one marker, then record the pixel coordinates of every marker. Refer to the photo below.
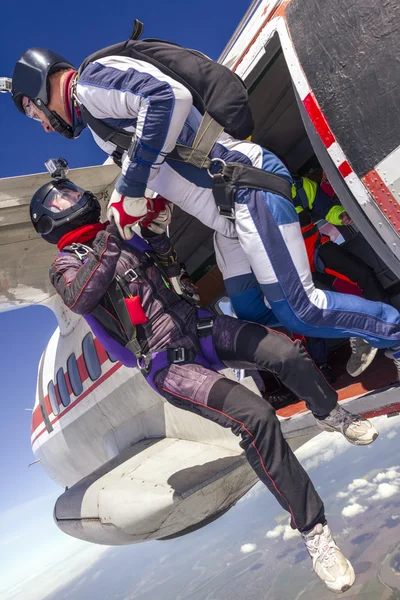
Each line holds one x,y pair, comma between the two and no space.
136,96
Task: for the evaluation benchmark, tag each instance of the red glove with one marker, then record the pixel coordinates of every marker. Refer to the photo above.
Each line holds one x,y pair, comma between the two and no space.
159,214
127,212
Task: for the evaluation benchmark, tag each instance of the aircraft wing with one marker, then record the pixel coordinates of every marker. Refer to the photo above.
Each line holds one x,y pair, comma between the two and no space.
24,257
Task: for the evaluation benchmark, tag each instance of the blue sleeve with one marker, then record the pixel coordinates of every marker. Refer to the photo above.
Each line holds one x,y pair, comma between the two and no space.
140,99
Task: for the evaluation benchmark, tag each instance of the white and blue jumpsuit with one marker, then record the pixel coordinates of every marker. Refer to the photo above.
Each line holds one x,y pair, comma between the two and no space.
137,97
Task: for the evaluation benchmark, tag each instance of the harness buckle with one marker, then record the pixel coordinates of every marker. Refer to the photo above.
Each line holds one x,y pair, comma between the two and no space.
177,355
144,364
214,161
130,275
80,250
204,326
227,212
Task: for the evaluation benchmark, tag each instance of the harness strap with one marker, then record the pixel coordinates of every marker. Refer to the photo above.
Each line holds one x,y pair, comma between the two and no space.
117,292
232,176
117,298
301,195
198,154
136,273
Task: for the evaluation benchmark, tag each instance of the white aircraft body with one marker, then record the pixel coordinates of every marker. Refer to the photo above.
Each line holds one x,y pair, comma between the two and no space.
134,467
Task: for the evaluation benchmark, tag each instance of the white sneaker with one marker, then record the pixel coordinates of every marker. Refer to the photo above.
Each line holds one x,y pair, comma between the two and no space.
328,562
362,355
356,429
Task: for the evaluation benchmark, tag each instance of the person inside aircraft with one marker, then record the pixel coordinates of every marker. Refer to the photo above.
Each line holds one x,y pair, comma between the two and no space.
125,296
160,112
312,201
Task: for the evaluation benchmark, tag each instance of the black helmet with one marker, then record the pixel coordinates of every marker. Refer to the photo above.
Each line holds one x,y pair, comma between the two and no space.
31,79
59,207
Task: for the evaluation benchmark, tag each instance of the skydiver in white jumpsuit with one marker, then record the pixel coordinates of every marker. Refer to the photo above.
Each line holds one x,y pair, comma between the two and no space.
137,97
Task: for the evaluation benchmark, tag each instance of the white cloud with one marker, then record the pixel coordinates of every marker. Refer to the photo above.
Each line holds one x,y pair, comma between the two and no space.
357,484
360,491
342,494
321,449
385,490
391,435
276,532
285,530
353,500
352,510
290,533
247,548
389,474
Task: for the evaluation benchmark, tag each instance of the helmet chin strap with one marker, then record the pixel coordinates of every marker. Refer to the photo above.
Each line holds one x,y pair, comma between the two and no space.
57,122
61,126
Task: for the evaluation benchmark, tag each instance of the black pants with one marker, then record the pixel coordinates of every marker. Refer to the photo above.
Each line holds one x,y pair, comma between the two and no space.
206,392
339,259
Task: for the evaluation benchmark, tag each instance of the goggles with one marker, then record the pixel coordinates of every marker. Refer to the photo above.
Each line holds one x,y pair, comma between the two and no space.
30,109
62,197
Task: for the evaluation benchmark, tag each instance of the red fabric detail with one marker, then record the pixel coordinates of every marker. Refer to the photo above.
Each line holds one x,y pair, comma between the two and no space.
327,189
67,95
159,205
344,285
135,310
311,242
80,235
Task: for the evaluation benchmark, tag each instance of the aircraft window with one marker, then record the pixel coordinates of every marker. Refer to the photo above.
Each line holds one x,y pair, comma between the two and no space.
51,390
91,359
62,387
111,357
73,374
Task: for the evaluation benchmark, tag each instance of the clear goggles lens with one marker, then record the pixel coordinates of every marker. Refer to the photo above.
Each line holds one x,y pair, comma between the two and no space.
62,197
30,109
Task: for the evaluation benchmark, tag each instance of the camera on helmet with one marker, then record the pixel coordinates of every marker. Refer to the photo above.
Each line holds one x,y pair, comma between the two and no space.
57,167
5,85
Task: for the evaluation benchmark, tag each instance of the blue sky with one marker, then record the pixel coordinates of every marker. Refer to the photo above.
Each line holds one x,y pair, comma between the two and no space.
77,33
73,30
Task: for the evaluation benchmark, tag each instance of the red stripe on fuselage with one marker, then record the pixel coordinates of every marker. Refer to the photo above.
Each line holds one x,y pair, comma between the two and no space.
84,394
37,418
